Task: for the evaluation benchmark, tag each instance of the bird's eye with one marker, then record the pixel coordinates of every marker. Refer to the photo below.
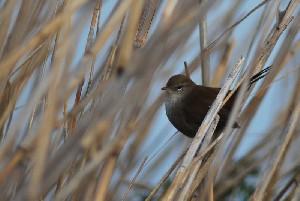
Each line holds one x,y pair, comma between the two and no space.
179,88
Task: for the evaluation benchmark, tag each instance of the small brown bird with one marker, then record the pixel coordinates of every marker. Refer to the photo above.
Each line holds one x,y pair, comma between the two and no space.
187,103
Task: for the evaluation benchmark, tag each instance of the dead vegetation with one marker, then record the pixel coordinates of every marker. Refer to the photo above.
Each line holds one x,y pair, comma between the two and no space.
78,109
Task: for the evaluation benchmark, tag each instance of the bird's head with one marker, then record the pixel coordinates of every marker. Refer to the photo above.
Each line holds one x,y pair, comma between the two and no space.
178,86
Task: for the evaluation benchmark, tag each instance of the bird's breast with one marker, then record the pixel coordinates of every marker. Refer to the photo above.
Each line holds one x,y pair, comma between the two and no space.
179,119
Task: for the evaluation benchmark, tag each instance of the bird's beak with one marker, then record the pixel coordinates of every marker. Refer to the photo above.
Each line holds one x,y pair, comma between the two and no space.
164,88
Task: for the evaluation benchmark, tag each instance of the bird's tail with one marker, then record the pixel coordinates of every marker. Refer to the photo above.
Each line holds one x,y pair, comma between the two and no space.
259,75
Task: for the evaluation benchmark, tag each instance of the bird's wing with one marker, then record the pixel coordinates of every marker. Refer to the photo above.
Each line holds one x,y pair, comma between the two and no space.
204,97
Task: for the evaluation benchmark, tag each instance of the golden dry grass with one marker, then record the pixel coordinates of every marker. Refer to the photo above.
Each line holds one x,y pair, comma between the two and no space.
73,127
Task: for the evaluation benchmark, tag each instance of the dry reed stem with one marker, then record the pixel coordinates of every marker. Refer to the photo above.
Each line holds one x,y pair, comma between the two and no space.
165,177
264,52
263,193
8,63
90,40
231,183
103,183
11,166
221,69
223,160
149,11
5,15
43,141
185,194
200,178
6,98
125,195
23,77
126,46
17,85
101,155
110,25
212,44
211,192
205,62
295,194
270,43
110,148
271,178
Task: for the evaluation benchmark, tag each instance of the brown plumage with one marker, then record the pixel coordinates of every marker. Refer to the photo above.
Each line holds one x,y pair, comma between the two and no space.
187,103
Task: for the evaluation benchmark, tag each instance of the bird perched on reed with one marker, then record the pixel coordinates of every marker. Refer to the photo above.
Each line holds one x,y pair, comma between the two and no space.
187,103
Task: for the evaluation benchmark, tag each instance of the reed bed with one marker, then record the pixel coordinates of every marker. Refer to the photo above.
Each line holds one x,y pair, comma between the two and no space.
81,111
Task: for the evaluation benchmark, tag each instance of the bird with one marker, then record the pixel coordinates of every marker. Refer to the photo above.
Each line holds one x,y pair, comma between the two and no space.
187,103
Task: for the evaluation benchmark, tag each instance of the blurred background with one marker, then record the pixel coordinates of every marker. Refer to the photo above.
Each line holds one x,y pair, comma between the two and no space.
81,107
